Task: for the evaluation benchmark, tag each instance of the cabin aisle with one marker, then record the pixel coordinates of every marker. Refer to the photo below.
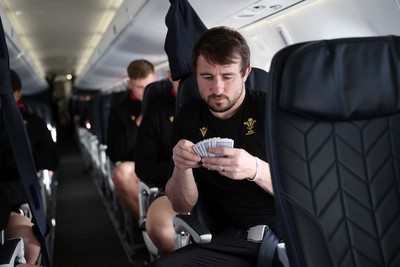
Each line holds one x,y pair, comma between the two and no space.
84,234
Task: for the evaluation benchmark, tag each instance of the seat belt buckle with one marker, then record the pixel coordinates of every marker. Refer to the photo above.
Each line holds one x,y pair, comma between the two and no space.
256,233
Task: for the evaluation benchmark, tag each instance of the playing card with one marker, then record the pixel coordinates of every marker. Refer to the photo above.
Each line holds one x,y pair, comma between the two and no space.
206,146
202,148
224,142
196,149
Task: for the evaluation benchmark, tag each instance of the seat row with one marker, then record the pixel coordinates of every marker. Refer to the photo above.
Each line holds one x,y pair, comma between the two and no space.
91,131
91,119
333,140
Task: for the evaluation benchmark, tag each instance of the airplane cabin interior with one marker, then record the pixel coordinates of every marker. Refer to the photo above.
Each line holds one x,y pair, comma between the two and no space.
331,73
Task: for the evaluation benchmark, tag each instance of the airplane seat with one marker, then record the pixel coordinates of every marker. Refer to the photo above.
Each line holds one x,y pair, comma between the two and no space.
13,127
106,104
108,101
189,227
35,107
153,93
47,179
115,99
333,122
118,211
197,226
82,127
98,115
95,134
49,187
118,97
257,79
41,110
148,191
105,107
47,114
94,108
187,92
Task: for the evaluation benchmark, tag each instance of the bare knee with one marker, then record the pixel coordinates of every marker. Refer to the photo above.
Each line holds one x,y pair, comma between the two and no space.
32,251
21,226
126,186
124,174
159,224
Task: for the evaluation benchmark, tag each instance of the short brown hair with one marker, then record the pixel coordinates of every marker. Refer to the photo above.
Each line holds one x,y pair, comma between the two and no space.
222,46
139,69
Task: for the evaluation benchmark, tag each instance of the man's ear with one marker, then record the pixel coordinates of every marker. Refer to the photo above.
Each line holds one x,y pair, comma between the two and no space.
247,72
155,76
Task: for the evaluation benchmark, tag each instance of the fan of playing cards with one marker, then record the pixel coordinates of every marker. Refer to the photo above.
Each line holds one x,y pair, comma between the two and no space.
202,147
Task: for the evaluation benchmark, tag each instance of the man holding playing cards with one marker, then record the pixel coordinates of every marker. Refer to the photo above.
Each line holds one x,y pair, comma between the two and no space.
220,156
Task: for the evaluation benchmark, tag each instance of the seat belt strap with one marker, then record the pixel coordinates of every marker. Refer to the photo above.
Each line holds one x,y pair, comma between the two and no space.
267,249
21,148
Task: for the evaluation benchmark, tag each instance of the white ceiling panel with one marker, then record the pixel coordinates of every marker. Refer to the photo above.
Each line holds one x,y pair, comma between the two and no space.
57,37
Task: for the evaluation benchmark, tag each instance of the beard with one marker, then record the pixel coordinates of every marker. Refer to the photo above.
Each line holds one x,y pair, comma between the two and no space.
224,106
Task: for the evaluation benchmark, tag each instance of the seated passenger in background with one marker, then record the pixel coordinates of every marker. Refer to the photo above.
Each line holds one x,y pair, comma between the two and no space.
44,149
11,188
235,188
123,124
153,164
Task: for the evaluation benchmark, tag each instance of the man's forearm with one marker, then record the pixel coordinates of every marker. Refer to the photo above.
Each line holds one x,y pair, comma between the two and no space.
182,191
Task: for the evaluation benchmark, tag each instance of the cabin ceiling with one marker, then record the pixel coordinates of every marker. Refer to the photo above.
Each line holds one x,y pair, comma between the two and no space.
94,40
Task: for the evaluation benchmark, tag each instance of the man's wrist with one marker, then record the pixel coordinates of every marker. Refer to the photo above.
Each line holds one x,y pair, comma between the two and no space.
258,171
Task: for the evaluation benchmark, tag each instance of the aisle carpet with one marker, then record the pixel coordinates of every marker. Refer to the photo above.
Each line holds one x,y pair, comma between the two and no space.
84,234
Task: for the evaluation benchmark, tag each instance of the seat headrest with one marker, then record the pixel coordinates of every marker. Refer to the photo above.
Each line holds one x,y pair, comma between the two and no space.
257,80
154,92
188,92
349,78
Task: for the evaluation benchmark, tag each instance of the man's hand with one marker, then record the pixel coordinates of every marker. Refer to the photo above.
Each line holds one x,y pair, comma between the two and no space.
184,156
236,164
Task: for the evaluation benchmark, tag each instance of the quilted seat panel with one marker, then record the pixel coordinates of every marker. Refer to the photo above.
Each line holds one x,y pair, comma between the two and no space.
333,120
344,176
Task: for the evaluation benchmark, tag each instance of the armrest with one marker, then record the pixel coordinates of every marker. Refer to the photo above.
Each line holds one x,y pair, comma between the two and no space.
12,251
147,192
187,223
282,254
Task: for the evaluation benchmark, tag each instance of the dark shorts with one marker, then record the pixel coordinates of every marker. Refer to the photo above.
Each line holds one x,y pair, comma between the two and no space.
160,194
228,248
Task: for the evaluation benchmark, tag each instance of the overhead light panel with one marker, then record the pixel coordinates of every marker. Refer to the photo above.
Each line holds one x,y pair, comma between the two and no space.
258,10
105,21
27,46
